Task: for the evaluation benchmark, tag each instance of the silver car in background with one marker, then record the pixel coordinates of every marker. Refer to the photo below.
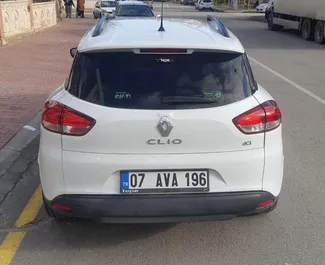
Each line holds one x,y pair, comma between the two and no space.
103,7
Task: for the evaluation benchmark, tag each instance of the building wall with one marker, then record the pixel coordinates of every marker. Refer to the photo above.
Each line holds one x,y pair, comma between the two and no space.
21,17
44,15
15,17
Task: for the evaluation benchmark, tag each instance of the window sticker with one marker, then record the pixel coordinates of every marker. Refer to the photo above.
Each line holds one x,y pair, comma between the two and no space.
214,95
122,95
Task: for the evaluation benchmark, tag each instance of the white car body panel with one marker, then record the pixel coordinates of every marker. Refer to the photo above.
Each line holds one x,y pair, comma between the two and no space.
201,130
274,157
100,173
97,165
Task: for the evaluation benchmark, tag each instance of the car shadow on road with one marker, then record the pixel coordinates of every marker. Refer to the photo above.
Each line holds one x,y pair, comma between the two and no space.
81,233
78,234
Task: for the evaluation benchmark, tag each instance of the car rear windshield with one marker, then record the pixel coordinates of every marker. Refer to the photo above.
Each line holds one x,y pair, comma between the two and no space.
108,4
134,11
158,81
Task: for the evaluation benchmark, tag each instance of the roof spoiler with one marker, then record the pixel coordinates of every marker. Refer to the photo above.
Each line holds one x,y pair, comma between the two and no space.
218,26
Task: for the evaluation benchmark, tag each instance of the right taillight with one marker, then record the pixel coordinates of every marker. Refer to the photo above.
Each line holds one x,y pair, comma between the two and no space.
61,119
263,118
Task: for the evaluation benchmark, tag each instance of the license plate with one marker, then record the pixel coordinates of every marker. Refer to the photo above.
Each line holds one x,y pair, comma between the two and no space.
165,181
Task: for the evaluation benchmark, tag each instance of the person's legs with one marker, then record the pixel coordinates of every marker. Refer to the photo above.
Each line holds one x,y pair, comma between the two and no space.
83,14
77,11
69,11
66,11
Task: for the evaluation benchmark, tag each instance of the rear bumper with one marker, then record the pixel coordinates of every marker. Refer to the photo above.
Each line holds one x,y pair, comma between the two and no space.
162,208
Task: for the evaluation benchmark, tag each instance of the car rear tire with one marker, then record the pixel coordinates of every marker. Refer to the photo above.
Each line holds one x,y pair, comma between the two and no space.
95,16
319,35
50,212
307,30
271,25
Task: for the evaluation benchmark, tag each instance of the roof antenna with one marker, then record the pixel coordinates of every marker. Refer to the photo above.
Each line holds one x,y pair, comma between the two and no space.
162,17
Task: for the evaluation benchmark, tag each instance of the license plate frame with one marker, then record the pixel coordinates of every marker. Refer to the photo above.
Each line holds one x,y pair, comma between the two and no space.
126,174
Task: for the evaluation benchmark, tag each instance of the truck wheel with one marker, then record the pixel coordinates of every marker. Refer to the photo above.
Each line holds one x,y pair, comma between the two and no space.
319,32
270,23
307,30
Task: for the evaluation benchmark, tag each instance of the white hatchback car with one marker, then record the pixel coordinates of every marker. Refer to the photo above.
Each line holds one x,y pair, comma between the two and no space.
157,126
204,5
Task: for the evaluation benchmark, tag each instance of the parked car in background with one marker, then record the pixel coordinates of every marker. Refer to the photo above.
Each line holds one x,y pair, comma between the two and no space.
148,2
104,7
132,9
187,2
204,5
261,8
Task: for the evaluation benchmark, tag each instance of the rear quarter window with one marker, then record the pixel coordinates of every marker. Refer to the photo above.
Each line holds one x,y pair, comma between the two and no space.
161,81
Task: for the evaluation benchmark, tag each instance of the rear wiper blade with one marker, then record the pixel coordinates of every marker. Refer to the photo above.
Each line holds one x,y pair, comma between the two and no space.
188,99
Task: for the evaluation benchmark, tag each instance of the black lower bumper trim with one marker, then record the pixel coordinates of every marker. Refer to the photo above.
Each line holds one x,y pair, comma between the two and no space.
163,208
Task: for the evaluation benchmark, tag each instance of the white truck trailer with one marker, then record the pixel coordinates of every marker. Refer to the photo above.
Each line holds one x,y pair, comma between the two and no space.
307,16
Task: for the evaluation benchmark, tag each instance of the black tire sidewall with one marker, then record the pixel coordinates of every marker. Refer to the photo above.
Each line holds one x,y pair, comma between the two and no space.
306,25
270,21
319,38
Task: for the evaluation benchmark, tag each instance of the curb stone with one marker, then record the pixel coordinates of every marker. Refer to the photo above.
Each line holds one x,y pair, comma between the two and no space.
17,155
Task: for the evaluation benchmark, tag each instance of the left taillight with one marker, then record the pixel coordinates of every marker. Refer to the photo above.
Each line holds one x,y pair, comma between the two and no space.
61,119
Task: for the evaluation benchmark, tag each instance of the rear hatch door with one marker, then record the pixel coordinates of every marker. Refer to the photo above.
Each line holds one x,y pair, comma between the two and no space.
161,103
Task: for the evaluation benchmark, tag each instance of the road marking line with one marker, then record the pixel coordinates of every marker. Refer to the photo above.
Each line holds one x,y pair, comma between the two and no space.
295,85
28,127
9,247
31,210
12,242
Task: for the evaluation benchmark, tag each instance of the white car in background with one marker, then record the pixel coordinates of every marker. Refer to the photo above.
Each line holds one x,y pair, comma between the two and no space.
261,8
157,126
148,2
204,5
104,7
133,9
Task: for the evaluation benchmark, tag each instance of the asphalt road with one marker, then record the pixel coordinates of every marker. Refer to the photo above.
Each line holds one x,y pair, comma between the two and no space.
292,71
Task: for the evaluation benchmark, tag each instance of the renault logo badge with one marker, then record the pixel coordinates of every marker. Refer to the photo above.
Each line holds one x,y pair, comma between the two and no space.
164,126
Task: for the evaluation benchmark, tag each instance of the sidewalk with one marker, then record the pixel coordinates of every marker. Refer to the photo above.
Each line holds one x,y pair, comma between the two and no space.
31,69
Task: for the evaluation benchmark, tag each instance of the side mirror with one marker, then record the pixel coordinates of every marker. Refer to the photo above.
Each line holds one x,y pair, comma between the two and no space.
73,52
97,6
158,16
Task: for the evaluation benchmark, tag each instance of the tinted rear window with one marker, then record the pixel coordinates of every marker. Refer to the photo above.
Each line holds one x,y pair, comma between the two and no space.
134,11
151,81
108,4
